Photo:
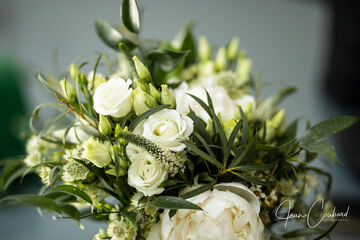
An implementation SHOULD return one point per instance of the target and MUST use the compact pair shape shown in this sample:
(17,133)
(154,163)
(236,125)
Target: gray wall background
(287,40)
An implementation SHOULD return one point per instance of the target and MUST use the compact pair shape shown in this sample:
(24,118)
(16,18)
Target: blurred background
(312,44)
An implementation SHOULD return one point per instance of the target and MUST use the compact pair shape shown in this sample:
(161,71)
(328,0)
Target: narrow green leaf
(130,15)
(73,191)
(200,127)
(327,128)
(34,201)
(245,129)
(145,115)
(169,202)
(251,179)
(249,149)
(204,143)
(323,149)
(204,155)
(108,191)
(51,123)
(197,191)
(253,167)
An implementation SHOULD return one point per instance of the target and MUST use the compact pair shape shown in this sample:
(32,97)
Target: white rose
(168,128)
(113,98)
(230,213)
(222,102)
(146,174)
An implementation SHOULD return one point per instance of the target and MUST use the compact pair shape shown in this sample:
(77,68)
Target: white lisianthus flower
(167,128)
(222,102)
(97,153)
(113,98)
(146,174)
(230,212)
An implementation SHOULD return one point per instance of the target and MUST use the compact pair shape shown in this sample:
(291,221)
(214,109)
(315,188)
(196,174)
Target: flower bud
(154,92)
(142,101)
(204,49)
(142,70)
(118,130)
(220,60)
(167,97)
(104,126)
(206,69)
(278,119)
(68,90)
(233,48)
(73,71)
(97,153)
(243,69)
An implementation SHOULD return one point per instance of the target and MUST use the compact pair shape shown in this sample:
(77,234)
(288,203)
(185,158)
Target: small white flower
(168,128)
(121,230)
(113,98)
(146,174)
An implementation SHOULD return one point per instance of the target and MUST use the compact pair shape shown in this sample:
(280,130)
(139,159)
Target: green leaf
(253,167)
(184,40)
(197,191)
(290,132)
(169,202)
(73,191)
(248,151)
(167,59)
(108,191)
(130,15)
(34,201)
(250,179)
(204,143)
(50,123)
(200,127)
(323,149)
(145,115)
(71,211)
(204,155)
(327,128)
(110,35)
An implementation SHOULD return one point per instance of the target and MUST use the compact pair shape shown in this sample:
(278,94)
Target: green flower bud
(97,153)
(167,97)
(220,60)
(142,70)
(233,48)
(118,130)
(278,119)
(204,49)
(206,69)
(142,101)
(73,71)
(104,126)
(68,90)
(154,92)
(243,69)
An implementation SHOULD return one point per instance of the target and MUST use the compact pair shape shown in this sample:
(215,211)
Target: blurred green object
(12,110)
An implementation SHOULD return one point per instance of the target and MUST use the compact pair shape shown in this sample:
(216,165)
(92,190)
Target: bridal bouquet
(174,144)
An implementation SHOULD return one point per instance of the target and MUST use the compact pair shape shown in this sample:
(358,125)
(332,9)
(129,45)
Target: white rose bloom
(230,213)
(167,128)
(146,174)
(113,98)
(222,102)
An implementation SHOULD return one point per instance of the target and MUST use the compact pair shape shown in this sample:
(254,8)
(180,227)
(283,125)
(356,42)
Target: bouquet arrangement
(173,144)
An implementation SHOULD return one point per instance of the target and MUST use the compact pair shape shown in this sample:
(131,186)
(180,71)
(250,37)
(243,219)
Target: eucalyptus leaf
(323,149)
(110,35)
(34,201)
(73,191)
(170,202)
(130,15)
(327,128)
(167,59)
